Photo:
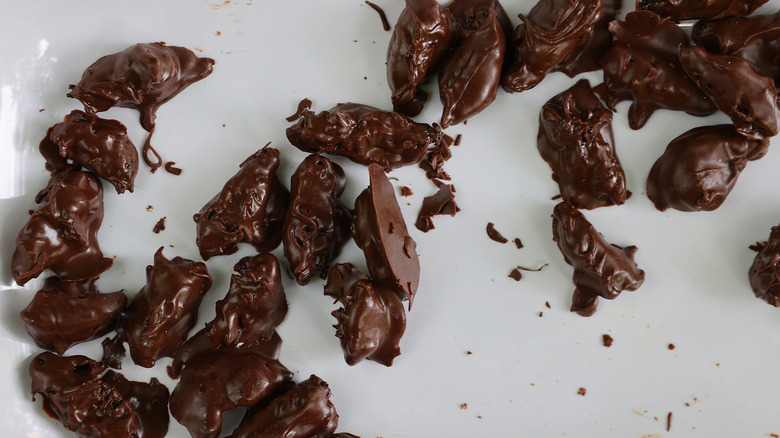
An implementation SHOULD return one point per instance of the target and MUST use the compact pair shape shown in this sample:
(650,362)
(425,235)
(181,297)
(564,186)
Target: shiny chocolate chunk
(441,202)
(150,401)
(317,224)
(588,58)
(575,139)
(62,233)
(709,9)
(763,274)
(249,208)
(700,167)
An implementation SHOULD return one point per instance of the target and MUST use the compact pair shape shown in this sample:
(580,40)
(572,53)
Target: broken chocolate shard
(442,202)
(494,235)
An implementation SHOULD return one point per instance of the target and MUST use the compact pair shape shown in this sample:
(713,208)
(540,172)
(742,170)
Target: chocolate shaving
(518,242)
(516,274)
(494,234)
(385,24)
(442,202)
(303,105)
(169,167)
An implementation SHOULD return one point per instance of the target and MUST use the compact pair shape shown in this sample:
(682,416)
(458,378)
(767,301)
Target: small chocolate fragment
(406,191)
(159,226)
(249,208)
(494,234)
(515,274)
(423,34)
(575,139)
(102,145)
(62,233)
(317,224)
(442,202)
(170,168)
(709,9)
(700,167)
(607,340)
(763,274)
(385,24)
(364,134)
(600,269)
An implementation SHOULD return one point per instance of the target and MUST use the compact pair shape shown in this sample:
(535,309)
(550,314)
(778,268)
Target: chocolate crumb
(582,391)
(518,243)
(169,167)
(406,191)
(607,340)
(42,110)
(440,203)
(774,435)
(458,138)
(669,421)
(547,304)
(160,225)
(468,352)
(149,208)
(385,24)
(541,314)
(671,346)
(303,105)
(516,275)
(478,416)
(217,33)
(494,234)
(464,405)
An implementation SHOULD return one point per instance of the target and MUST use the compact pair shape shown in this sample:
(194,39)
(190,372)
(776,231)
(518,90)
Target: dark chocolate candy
(700,167)
(710,9)
(599,40)
(643,66)
(380,231)
(763,274)
(302,410)
(254,305)
(736,88)
(600,269)
(423,34)
(364,134)
(165,309)
(149,400)
(65,313)
(575,139)
(372,320)
(249,208)
(102,145)
(317,224)
(62,233)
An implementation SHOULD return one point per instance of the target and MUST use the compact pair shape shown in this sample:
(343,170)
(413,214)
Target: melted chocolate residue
(442,202)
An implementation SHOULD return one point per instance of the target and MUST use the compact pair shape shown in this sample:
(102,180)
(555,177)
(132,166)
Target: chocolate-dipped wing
(254,305)
(642,66)
(763,273)
(575,139)
(601,269)
(317,224)
(700,167)
(62,233)
(709,9)
(423,34)
(249,208)
(736,88)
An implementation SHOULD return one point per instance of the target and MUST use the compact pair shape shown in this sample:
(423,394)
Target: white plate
(527,361)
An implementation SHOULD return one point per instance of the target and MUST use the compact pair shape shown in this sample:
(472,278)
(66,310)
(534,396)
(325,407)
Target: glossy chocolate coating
(552,34)
(575,139)
(62,233)
(372,320)
(736,88)
(424,33)
(150,401)
(763,274)
(249,208)
(163,312)
(642,66)
(710,9)
(317,224)
(302,410)
(601,269)
(254,305)
(700,167)
(599,40)
(220,380)
(102,145)
(65,313)
(380,231)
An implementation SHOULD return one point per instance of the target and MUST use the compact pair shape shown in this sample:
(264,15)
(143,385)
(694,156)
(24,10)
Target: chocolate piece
(700,167)
(65,313)
(600,269)
(170,168)
(249,208)
(642,66)
(736,88)
(423,35)
(159,226)
(303,105)
(372,320)
(62,233)
(552,34)
(317,224)
(599,40)
(101,145)
(163,312)
(385,24)
(149,400)
(515,274)
(442,202)
(710,9)
(254,305)
(575,139)
(302,410)
(380,231)
(518,243)
(113,352)
(763,274)
(364,134)
(494,234)
(606,340)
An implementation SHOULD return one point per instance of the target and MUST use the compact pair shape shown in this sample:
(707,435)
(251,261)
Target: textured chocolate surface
(149,400)
(598,41)
(763,273)
(710,9)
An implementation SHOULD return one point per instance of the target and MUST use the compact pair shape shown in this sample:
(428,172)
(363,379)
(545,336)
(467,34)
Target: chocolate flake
(607,340)
(169,167)
(494,234)
(385,24)
(160,225)
(516,274)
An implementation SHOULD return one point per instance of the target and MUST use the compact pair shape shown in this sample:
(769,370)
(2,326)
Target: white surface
(525,370)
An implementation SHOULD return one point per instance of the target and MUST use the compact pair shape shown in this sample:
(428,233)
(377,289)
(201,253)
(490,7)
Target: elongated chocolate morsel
(552,34)
(317,223)
(599,40)
(62,233)
(601,269)
(424,33)
(642,66)
(763,273)
(220,380)
(380,231)
(102,145)
(65,313)
(301,410)
(165,309)
(709,9)
(575,139)
(254,305)
(700,167)
(249,208)
(736,88)
(372,320)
